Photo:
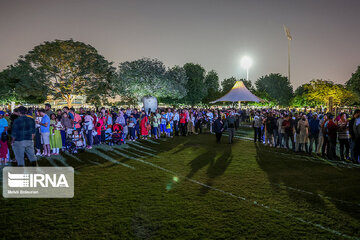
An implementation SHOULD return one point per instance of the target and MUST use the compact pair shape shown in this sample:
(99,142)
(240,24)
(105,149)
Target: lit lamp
(246,63)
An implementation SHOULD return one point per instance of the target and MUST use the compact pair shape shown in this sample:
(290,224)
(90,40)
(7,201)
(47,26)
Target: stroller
(114,135)
(117,134)
(75,141)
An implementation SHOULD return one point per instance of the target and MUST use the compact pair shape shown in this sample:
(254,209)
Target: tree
(227,84)
(300,97)
(319,91)
(67,69)
(21,85)
(196,90)
(149,77)
(354,82)
(212,86)
(248,84)
(178,80)
(277,87)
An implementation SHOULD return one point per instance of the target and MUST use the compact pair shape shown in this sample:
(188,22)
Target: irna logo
(34,180)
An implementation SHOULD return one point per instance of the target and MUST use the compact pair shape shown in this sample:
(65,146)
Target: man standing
(45,132)
(314,127)
(218,128)
(22,141)
(332,133)
(257,127)
(352,127)
(176,122)
(230,125)
(48,109)
(210,117)
(356,135)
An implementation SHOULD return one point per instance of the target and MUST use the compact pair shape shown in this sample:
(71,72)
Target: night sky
(215,34)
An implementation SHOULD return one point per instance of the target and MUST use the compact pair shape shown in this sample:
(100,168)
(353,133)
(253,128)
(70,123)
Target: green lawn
(193,188)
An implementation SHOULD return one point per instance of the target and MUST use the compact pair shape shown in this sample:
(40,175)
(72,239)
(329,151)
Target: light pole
(287,33)
(246,63)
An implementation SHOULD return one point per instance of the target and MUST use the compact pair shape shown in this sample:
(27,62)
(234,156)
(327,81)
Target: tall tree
(67,69)
(196,90)
(319,91)
(149,77)
(277,87)
(301,97)
(19,84)
(354,82)
(212,86)
(227,84)
(248,84)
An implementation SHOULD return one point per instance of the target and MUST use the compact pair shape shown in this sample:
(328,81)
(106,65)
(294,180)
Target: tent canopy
(239,93)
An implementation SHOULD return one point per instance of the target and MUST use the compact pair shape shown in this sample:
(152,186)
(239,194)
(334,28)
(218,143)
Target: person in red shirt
(182,122)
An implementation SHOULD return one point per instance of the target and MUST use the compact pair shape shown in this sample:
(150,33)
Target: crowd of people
(34,132)
(310,132)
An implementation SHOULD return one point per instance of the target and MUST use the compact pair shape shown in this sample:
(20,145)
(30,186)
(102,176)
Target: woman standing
(191,124)
(144,126)
(55,135)
(344,136)
(88,126)
(182,122)
(302,127)
(67,124)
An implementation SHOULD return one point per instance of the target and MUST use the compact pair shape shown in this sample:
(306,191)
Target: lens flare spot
(169,186)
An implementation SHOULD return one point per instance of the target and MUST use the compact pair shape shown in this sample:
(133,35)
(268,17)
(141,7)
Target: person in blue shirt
(314,130)
(137,122)
(163,121)
(3,123)
(45,131)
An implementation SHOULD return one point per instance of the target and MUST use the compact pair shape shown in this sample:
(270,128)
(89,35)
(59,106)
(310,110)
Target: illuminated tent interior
(239,93)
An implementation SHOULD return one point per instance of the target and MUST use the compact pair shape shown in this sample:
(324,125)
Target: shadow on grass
(312,182)
(216,165)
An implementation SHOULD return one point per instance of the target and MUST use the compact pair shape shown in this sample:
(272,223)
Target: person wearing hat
(3,123)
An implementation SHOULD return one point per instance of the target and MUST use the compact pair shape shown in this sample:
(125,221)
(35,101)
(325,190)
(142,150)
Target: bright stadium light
(246,63)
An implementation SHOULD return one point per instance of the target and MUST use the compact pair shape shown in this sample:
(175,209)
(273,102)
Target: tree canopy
(318,92)
(67,69)
(227,84)
(354,82)
(19,84)
(212,86)
(195,85)
(276,87)
(149,77)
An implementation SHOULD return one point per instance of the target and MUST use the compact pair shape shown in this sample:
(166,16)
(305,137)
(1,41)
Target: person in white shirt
(176,122)
(89,125)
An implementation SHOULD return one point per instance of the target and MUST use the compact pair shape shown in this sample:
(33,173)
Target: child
(131,127)
(155,125)
(77,139)
(168,129)
(163,123)
(4,150)
(125,130)
(55,137)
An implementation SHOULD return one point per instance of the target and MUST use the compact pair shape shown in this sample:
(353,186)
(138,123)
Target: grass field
(192,188)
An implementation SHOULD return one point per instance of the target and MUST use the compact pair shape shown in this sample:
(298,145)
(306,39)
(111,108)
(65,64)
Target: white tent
(239,93)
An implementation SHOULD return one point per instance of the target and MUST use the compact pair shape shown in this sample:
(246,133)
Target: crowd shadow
(312,182)
(216,166)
